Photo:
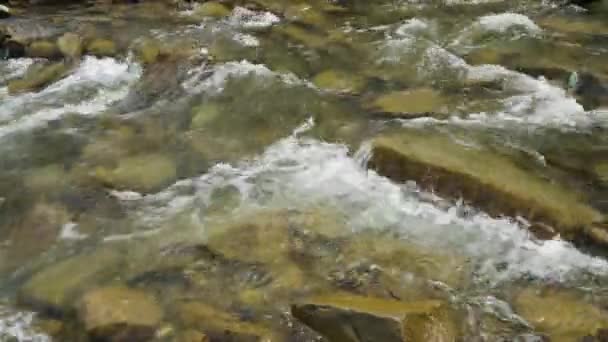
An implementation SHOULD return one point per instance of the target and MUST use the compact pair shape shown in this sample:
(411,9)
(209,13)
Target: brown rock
(119,314)
(345,318)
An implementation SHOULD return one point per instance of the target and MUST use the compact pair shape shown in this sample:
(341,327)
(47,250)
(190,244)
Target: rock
(561,314)
(569,25)
(37,77)
(410,103)
(346,318)
(70,45)
(303,36)
(600,171)
(192,336)
(212,9)
(46,179)
(5,12)
(148,51)
(53,289)
(219,325)
(339,81)
(11,49)
(101,48)
(141,173)
(492,181)
(119,314)
(204,114)
(42,49)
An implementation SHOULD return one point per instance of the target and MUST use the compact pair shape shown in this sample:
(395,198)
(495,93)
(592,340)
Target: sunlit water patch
(299,172)
(90,89)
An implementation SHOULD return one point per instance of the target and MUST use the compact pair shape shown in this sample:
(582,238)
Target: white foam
(503,22)
(89,89)
(299,172)
(248,19)
(69,231)
(13,68)
(412,26)
(213,81)
(18,325)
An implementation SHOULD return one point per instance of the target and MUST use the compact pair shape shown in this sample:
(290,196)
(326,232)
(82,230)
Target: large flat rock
(482,177)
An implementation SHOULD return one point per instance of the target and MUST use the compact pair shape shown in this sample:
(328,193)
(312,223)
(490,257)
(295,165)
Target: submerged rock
(561,314)
(410,103)
(54,288)
(601,172)
(339,81)
(37,77)
(485,178)
(119,314)
(142,173)
(346,318)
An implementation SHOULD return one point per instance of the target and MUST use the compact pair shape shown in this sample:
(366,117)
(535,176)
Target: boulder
(53,289)
(5,12)
(119,314)
(101,48)
(70,45)
(347,318)
(37,77)
(561,314)
(485,178)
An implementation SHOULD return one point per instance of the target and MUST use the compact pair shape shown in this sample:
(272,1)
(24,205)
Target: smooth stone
(119,313)
(338,81)
(37,77)
(141,173)
(212,9)
(5,12)
(350,318)
(410,103)
(102,48)
(70,45)
(42,49)
(53,289)
(493,182)
(561,314)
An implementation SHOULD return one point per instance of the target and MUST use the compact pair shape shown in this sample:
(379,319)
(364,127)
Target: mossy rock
(143,173)
(410,103)
(43,49)
(561,314)
(37,78)
(148,51)
(204,114)
(212,9)
(601,172)
(53,289)
(492,181)
(349,318)
(117,311)
(70,45)
(339,81)
(102,48)
(573,25)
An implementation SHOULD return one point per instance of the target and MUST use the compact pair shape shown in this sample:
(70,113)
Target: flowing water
(268,110)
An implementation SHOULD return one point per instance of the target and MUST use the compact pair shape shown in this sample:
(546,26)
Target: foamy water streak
(300,172)
(89,89)
(17,326)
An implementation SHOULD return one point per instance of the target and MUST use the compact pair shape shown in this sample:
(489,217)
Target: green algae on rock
(483,177)
(145,173)
(119,313)
(101,48)
(53,289)
(348,318)
(410,103)
(339,81)
(42,49)
(212,9)
(37,77)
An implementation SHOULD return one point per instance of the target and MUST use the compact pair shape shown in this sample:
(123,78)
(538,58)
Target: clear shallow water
(243,113)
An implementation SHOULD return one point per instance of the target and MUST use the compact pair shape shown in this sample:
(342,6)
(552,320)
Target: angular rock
(484,178)
(119,314)
(37,77)
(346,318)
(562,315)
(53,289)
